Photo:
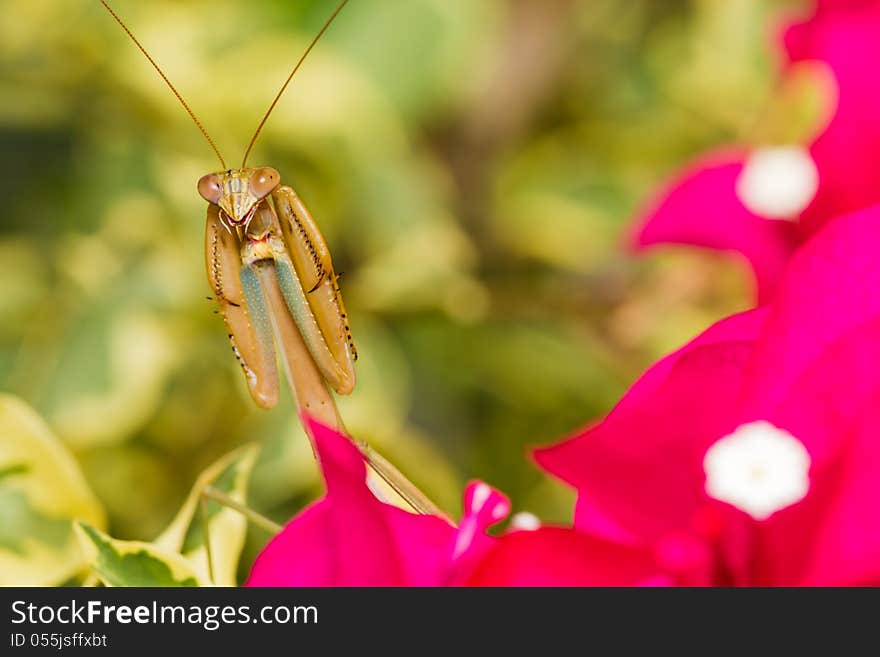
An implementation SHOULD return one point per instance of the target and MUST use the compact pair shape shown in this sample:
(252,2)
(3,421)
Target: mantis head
(238,192)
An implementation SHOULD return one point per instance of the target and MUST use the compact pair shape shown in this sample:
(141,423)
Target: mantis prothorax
(271,273)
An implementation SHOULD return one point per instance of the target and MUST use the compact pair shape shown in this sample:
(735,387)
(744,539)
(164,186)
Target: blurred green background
(474,165)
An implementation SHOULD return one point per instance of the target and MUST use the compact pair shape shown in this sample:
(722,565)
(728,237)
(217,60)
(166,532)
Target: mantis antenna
(287,81)
(167,81)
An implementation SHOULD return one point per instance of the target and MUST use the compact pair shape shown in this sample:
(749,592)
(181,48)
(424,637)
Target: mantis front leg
(305,265)
(247,324)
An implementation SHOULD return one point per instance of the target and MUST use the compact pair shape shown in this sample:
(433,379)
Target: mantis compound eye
(264,180)
(209,188)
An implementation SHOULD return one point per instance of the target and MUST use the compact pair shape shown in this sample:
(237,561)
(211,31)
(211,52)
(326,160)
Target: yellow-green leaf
(226,527)
(134,563)
(41,491)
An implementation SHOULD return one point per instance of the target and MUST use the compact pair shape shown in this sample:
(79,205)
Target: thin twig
(261,521)
(206,535)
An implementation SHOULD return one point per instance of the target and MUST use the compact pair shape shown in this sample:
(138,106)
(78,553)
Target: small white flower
(759,468)
(778,182)
(525,521)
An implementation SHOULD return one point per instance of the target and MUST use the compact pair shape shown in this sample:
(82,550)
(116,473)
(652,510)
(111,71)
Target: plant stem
(206,533)
(256,518)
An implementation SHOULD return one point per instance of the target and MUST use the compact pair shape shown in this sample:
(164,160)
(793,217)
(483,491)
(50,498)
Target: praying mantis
(272,276)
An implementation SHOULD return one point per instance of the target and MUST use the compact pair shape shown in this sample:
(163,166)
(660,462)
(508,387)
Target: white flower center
(525,521)
(759,468)
(778,182)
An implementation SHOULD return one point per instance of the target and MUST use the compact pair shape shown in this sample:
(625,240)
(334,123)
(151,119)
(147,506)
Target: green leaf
(41,491)
(112,374)
(226,527)
(133,563)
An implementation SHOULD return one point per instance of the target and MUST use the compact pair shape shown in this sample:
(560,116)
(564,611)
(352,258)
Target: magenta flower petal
(701,208)
(643,467)
(553,556)
(617,462)
(844,35)
(814,375)
(751,456)
(845,538)
(483,507)
(290,558)
(830,291)
(350,538)
(840,517)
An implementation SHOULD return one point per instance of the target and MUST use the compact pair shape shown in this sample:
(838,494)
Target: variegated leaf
(41,491)
(134,563)
(226,527)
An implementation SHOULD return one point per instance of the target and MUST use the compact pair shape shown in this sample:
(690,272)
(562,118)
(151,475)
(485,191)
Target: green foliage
(179,557)
(133,563)
(41,491)
(199,519)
